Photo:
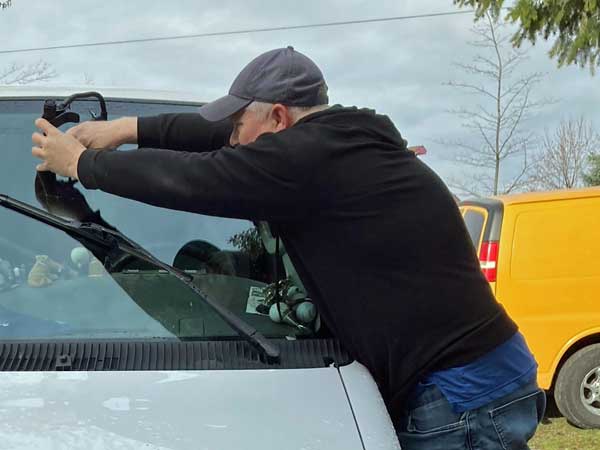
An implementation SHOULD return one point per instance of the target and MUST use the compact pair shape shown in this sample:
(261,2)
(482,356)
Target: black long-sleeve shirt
(374,234)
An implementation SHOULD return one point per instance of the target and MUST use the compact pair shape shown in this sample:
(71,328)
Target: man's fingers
(38,139)
(47,127)
(42,167)
(38,152)
(58,151)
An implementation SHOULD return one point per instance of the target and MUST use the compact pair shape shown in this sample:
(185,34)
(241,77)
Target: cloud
(395,67)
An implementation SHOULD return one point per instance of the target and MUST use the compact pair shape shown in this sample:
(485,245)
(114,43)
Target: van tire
(579,380)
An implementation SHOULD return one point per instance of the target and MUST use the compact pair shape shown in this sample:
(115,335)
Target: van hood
(177,410)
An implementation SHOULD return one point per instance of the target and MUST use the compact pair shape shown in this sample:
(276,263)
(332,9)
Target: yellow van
(541,254)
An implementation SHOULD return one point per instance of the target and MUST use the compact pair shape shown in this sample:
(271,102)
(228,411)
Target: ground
(555,433)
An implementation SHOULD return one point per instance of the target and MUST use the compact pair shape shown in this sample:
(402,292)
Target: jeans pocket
(516,421)
(435,417)
(433,426)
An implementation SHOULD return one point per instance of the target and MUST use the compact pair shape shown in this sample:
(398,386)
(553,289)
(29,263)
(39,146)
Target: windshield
(474,220)
(52,286)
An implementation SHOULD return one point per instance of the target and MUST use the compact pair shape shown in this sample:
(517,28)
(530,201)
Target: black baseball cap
(281,76)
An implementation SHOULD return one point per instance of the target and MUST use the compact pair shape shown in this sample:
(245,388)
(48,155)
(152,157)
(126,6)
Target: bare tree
(27,74)
(24,73)
(564,156)
(497,121)
(88,79)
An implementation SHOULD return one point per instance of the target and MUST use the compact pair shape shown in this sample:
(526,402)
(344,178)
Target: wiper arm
(114,240)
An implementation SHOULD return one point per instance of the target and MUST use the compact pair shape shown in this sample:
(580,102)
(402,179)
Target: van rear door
(483,219)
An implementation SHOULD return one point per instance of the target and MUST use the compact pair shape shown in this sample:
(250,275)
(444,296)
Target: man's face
(248,124)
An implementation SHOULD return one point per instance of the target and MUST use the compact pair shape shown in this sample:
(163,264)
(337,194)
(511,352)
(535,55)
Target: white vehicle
(103,347)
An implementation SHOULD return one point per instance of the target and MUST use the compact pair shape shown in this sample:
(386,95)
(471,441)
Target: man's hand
(58,151)
(103,134)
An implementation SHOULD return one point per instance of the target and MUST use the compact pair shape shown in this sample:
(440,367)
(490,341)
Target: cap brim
(223,107)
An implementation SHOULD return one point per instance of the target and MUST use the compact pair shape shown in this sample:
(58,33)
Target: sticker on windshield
(257,302)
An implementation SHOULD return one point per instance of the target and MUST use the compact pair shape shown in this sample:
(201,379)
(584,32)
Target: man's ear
(281,117)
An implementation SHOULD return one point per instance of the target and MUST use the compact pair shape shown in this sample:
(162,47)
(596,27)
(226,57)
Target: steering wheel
(196,255)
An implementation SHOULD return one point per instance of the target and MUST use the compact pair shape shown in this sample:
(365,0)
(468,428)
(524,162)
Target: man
(374,234)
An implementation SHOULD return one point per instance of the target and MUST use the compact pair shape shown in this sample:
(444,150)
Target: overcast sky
(397,68)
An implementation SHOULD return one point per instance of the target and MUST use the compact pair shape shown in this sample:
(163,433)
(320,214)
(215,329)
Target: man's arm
(106,134)
(186,131)
(266,180)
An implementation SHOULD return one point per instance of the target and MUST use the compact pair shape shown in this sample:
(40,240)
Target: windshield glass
(51,285)
(474,221)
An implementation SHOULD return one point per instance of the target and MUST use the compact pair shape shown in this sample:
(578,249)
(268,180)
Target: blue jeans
(429,423)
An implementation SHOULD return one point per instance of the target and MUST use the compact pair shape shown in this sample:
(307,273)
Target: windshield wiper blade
(111,240)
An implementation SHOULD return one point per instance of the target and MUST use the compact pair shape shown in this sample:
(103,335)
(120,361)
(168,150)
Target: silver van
(126,326)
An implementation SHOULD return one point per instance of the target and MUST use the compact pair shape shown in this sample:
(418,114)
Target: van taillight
(488,257)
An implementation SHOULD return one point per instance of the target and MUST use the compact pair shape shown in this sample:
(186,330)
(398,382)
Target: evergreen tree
(592,177)
(575,25)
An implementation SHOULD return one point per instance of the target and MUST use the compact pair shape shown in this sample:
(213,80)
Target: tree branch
(32,73)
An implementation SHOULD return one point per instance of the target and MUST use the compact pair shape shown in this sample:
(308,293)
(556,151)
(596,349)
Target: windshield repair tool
(59,114)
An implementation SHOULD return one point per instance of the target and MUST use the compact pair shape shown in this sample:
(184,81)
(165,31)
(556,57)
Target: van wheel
(577,389)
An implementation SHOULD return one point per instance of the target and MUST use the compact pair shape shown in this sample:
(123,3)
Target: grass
(558,434)
(555,433)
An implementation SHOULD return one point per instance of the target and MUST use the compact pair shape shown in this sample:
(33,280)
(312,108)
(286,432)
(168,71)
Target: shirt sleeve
(269,179)
(185,131)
